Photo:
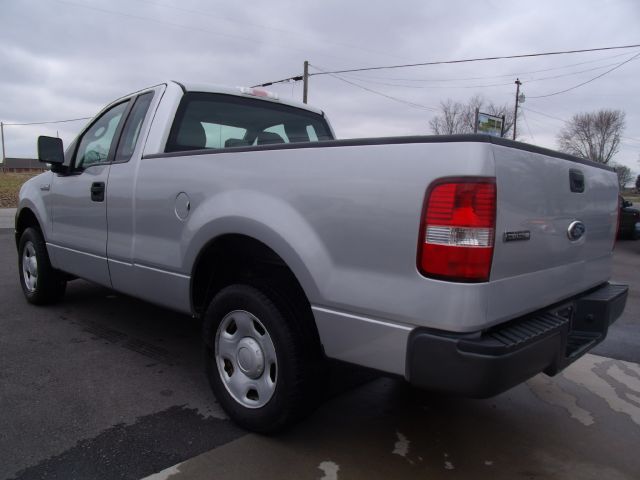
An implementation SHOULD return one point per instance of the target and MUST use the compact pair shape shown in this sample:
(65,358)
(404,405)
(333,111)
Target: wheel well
(237,258)
(25,220)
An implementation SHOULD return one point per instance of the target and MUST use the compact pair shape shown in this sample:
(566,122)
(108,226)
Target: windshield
(211,120)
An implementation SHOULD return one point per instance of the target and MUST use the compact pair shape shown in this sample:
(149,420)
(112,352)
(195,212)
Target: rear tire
(40,282)
(257,361)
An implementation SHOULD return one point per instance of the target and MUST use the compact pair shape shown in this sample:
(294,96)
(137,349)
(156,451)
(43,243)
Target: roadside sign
(489,124)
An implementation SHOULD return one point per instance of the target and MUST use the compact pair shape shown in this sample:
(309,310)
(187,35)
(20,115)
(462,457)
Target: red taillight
(458,230)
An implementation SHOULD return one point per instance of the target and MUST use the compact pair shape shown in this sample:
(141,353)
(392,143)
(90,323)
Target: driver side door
(78,239)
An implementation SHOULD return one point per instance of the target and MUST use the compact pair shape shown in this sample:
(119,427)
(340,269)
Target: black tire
(50,284)
(293,395)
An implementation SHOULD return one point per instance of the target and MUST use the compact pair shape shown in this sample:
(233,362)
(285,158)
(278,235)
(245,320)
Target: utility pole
(2,135)
(515,114)
(305,80)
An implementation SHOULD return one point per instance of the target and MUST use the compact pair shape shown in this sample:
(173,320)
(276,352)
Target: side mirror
(626,204)
(50,150)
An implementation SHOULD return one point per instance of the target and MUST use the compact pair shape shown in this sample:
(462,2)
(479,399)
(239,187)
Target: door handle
(97,191)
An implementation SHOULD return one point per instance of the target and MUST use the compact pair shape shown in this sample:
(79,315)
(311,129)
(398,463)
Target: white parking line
(164,474)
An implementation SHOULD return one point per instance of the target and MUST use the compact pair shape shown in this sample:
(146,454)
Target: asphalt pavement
(106,386)
(7,217)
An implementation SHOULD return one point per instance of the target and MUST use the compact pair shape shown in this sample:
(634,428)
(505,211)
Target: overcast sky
(66,59)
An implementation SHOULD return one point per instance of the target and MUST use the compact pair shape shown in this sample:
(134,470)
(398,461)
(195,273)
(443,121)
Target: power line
(588,81)
(570,74)
(399,100)
(321,71)
(360,79)
(296,34)
(45,123)
(485,77)
(297,78)
(154,20)
(289,46)
(396,99)
(544,114)
(528,127)
(553,77)
(480,59)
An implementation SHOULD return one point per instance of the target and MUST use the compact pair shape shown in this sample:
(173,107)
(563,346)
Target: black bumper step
(490,362)
(515,334)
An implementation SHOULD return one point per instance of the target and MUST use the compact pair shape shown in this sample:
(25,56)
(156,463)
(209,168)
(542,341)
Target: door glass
(96,142)
(131,129)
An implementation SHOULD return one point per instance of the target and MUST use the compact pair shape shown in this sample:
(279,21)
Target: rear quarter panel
(345,220)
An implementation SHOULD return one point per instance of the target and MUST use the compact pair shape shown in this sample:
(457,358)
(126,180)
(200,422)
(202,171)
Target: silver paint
(345,220)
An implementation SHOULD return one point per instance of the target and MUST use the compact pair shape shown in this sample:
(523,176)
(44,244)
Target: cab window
(131,130)
(211,120)
(97,140)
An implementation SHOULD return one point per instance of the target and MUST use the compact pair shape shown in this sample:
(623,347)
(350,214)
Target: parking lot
(105,386)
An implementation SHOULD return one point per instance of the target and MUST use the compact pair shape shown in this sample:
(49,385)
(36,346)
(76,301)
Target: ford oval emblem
(576,230)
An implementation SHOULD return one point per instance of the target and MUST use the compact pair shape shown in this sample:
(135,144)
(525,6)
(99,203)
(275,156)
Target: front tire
(40,282)
(257,361)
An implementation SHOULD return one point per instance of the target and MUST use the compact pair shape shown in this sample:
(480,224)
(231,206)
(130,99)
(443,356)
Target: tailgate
(535,262)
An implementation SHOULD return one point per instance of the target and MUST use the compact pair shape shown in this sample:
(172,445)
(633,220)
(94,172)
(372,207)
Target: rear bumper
(487,363)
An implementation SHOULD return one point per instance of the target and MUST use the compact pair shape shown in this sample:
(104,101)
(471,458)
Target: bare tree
(458,117)
(624,174)
(594,135)
(450,120)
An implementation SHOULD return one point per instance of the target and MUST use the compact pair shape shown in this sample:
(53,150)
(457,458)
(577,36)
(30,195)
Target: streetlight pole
(515,113)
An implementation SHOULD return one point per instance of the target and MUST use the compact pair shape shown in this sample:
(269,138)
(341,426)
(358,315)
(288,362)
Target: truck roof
(242,92)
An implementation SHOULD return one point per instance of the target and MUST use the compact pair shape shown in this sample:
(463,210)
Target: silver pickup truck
(464,264)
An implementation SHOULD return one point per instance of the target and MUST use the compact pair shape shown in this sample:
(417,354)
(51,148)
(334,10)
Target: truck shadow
(369,426)
(167,337)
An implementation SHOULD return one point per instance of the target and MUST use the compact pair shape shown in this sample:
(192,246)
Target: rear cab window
(212,120)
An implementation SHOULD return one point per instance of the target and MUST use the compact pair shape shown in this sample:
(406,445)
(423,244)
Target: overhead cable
(479,59)
(588,81)
(45,123)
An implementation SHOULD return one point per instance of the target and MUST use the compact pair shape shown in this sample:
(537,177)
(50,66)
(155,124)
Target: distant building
(22,165)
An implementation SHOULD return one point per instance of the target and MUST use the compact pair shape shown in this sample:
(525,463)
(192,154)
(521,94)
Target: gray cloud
(66,59)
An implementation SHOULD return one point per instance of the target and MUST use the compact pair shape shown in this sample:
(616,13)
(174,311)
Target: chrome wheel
(29,267)
(246,359)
